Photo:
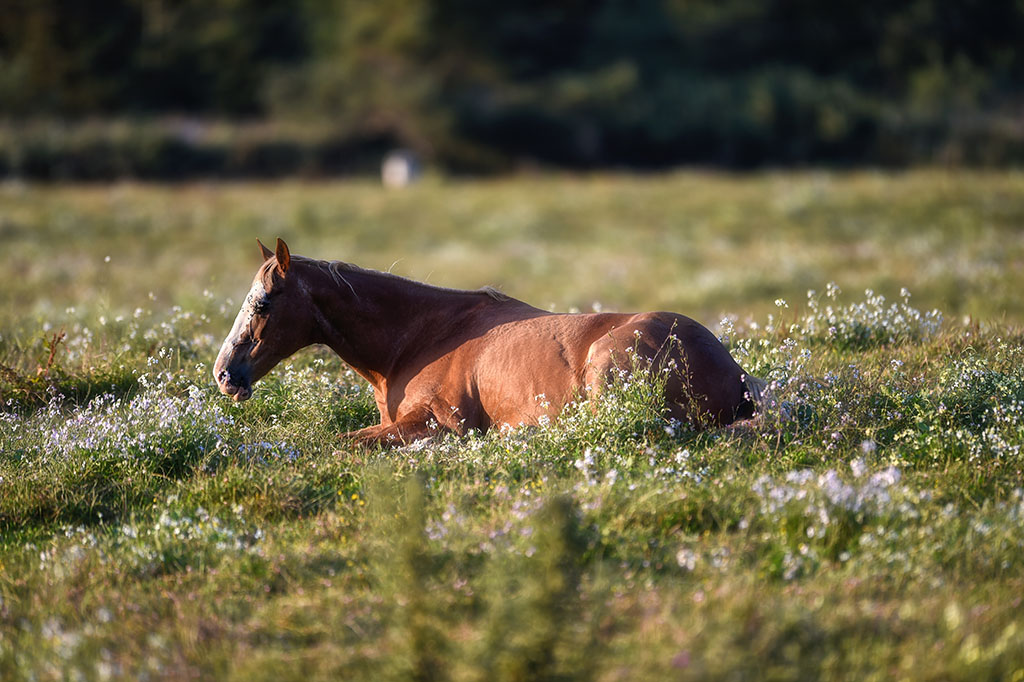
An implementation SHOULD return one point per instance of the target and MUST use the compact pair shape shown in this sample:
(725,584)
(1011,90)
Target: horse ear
(284,259)
(267,253)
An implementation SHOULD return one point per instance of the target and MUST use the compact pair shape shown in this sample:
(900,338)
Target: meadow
(868,526)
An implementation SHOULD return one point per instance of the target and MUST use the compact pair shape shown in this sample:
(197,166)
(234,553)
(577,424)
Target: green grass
(151,528)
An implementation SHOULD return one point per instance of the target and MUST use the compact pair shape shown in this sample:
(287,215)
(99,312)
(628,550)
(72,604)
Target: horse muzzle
(238,388)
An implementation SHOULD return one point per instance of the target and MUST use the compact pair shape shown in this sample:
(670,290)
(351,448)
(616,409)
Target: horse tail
(762,398)
(756,389)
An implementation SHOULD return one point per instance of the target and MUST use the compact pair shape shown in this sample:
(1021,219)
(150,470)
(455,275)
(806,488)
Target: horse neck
(373,320)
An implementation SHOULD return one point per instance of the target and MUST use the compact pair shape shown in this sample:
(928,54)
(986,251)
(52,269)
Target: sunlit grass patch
(866,525)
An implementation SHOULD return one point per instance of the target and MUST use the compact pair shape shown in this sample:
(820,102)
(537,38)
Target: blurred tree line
(486,85)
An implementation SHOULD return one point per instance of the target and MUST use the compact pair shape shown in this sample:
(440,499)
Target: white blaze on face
(245,314)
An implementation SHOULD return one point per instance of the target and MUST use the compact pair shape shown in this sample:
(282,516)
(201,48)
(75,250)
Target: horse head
(273,322)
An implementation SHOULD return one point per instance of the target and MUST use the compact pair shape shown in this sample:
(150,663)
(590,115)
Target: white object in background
(400,168)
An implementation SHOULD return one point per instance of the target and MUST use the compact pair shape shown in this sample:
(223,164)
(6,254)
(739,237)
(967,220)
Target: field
(869,526)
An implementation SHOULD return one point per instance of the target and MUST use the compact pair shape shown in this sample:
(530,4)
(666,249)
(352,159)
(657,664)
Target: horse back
(518,364)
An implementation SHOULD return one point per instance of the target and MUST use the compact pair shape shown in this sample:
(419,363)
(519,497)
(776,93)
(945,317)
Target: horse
(453,360)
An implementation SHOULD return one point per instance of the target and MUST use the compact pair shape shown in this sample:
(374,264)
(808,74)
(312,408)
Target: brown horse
(462,360)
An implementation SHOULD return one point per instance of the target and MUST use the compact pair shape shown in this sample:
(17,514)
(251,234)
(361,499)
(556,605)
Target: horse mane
(336,269)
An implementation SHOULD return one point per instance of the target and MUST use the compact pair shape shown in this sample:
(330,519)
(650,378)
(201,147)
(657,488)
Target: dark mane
(337,269)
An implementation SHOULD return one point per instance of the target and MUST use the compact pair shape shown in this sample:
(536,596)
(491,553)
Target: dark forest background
(155,88)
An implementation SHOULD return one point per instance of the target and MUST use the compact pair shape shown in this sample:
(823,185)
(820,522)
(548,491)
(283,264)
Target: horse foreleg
(399,433)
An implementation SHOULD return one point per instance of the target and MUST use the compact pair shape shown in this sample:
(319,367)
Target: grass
(151,528)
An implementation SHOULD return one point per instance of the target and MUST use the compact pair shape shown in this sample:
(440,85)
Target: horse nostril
(222,376)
